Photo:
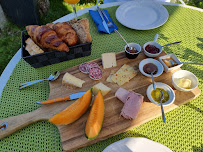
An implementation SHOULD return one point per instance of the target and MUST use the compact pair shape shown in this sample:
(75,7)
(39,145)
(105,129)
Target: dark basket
(53,57)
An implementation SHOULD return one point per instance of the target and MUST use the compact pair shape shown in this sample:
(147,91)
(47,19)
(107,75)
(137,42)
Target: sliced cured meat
(84,67)
(95,73)
(122,94)
(132,105)
(92,65)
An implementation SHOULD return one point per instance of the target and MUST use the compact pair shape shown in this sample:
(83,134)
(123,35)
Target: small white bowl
(132,55)
(165,87)
(156,45)
(184,74)
(156,62)
(172,56)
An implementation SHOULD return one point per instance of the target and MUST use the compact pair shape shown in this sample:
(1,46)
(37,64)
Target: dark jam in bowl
(150,67)
(152,49)
(131,54)
(131,51)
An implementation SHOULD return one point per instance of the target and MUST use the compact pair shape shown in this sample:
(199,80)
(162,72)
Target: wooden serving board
(72,135)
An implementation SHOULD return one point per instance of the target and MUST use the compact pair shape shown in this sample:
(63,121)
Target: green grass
(9,43)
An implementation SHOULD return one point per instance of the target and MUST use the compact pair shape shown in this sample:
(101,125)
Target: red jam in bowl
(152,49)
(131,51)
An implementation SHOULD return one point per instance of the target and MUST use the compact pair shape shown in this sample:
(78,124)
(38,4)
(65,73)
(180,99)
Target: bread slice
(29,49)
(71,22)
(81,27)
(32,48)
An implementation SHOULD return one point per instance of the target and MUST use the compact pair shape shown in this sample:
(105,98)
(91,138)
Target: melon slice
(74,111)
(95,118)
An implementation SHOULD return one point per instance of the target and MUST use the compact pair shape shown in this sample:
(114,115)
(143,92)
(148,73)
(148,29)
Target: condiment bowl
(151,54)
(155,62)
(187,75)
(132,55)
(170,57)
(165,87)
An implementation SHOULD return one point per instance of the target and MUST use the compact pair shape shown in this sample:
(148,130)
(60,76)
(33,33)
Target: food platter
(100,106)
(142,15)
(72,135)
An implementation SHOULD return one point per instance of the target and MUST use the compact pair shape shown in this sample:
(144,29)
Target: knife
(70,97)
(103,21)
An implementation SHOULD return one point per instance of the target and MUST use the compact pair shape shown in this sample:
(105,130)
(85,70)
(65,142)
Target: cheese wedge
(124,74)
(109,78)
(69,79)
(100,86)
(108,60)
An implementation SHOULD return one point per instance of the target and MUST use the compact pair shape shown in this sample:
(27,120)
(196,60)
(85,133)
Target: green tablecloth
(183,130)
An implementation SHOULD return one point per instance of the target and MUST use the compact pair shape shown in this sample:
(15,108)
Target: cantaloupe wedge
(74,111)
(95,118)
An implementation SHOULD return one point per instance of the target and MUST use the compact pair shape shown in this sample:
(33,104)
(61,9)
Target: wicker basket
(53,57)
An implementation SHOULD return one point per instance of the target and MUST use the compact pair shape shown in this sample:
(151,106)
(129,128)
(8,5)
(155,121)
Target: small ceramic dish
(170,57)
(154,43)
(132,55)
(187,75)
(155,62)
(165,87)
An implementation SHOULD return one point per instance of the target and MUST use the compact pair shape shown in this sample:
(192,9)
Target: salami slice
(92,65)
(95,73)
(84,67)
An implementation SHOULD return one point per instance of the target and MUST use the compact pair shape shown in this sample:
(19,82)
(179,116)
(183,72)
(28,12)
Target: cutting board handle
(18,122)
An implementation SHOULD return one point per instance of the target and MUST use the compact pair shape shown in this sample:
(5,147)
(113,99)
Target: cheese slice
(109,78)
(69,79)
(111,74)
(100,86)
(124,74)
(108,60)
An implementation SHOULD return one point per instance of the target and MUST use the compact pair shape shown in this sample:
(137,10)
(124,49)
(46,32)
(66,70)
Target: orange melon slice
(95,118)
(74,111)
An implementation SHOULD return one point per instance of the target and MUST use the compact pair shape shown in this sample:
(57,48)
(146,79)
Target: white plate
(136,144)
(156,62)
(165,87)
(142,15)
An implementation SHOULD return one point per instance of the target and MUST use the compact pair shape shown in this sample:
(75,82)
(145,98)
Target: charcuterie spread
(118,75)
(98,99)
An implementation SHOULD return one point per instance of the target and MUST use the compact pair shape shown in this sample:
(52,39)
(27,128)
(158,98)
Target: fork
(109,24)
